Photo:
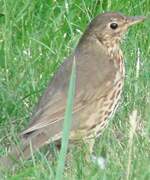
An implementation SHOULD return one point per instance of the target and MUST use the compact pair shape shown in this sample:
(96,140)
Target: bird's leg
(90,157)
(90,144)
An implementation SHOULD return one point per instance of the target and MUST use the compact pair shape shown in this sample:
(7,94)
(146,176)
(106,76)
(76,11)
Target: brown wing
(94,70)
(52,104)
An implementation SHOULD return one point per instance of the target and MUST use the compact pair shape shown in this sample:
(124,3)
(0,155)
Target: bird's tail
(23,152)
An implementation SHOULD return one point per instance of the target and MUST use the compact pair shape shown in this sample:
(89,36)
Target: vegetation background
(35,36)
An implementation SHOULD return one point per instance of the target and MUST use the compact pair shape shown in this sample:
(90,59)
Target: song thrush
(100,76)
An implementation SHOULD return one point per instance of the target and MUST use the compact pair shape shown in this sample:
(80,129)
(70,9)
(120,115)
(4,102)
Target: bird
(100,73)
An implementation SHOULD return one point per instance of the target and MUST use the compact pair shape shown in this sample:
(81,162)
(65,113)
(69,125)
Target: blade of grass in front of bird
(67,124)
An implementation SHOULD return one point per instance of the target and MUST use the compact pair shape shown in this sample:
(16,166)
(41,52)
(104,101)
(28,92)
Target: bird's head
(109,27)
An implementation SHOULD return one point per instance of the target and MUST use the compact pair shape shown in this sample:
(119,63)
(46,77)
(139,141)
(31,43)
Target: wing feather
(51,107)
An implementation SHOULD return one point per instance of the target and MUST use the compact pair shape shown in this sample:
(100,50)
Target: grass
(35,37)
(67,125)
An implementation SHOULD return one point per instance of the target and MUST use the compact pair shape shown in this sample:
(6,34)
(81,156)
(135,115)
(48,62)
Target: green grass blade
(67,125)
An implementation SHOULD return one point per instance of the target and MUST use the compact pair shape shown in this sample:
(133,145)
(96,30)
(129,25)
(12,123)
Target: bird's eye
(113,25)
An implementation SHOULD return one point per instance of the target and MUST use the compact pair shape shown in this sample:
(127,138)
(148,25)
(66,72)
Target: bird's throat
(116,56)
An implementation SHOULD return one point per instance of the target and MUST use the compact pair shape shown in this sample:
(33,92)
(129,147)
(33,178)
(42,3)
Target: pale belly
(96,116)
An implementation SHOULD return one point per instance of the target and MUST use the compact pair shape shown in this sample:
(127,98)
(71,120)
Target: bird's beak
(135,19)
